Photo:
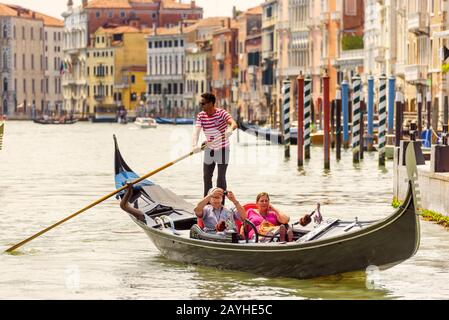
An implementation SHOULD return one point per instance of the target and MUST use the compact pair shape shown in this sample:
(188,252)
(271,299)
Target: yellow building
(116,64)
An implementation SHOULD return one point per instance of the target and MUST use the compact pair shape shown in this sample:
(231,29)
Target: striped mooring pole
(382,118)
(338,123)
(370,133)
(345,107)
(391,101)
(286,117)
(307,115)
(300,113)
(326,119)
(356,85)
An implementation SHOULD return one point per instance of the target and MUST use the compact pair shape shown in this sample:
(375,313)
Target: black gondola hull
(383,245)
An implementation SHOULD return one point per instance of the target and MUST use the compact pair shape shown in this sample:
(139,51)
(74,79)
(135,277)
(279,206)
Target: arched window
(5,31)
(5,84)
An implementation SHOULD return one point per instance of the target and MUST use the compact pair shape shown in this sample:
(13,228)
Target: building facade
(165,70)
(224,66)
(198,67)
(270,58)
(116,65)
(25,71)
(251,98)
(74,81)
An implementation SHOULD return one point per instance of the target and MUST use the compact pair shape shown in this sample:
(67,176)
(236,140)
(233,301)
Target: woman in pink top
(267,213)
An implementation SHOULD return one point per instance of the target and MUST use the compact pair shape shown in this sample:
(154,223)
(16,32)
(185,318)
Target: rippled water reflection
(49,172)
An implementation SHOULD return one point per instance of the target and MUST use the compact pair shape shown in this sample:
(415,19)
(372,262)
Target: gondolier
(218,126)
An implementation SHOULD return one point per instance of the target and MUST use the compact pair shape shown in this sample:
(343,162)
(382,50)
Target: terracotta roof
(120,29)
(255,10)
(7,11)
(171,4)
(207,22)
(112,4)
(167,31)
(136,68)
(50,21)
(12,10)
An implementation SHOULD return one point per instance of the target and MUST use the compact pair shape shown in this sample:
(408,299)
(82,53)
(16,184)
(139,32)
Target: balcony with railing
(415,73)
(99,97)
(418,22)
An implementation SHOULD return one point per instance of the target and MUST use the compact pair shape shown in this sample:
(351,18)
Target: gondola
(275,136)
(42,121)
(335,246)
(160,120)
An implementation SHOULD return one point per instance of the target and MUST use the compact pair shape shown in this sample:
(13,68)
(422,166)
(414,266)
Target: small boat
(333,247)
(174,120)
(145,123)
(50,121)
(275,136)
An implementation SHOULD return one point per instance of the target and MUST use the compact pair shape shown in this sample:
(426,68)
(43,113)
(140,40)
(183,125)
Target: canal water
(49,172)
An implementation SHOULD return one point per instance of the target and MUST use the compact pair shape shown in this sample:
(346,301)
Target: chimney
(85,3)
(234,12)
(70,4)
(192,4)
(154,29)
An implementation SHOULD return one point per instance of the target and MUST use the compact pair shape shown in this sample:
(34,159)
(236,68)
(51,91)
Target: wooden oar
(203,146)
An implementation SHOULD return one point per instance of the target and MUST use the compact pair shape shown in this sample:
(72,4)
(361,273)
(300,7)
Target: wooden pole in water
(362,127)
(446,111)
(356,83)
(326,119)
(300,81)
(398,133)
(370,129)
(419,99)
(338,123)
(429,108)
(345,107)
(391,101)
(382,118)
(286,117)
(307,116)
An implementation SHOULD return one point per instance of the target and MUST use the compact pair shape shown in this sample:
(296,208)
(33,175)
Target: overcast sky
(211,7)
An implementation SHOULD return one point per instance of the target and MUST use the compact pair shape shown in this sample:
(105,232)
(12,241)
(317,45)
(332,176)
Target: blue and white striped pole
(356,86)
(345,107)
(286,116)
(382,118)
(370,135)
(391,102)
(307,116)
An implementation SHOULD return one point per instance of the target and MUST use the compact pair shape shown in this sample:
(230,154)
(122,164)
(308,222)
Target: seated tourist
(216,217)
(268,220)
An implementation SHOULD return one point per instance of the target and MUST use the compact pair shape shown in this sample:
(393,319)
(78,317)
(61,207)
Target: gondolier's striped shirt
(214,127)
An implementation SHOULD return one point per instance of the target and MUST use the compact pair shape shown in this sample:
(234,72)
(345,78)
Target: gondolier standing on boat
(218,126)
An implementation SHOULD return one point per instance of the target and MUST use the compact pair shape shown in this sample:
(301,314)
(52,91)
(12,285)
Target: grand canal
(49,172)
